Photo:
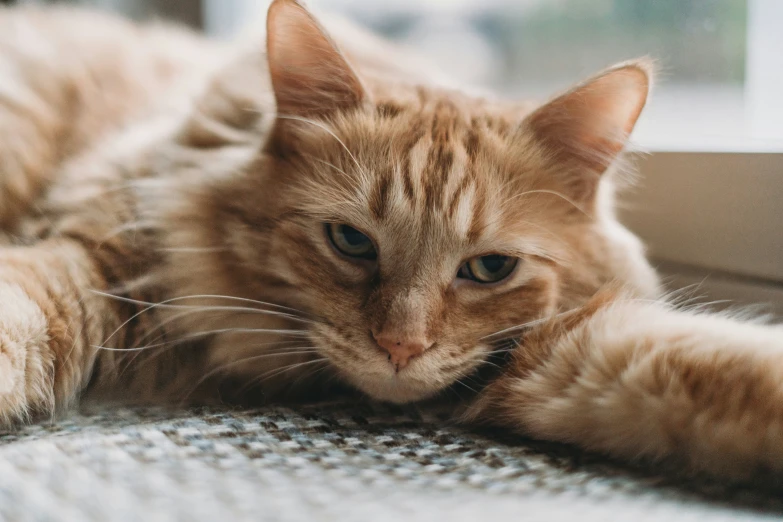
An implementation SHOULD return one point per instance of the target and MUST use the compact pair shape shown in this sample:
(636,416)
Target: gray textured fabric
(330,461)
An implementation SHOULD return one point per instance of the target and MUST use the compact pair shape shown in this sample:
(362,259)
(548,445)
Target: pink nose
(401,350)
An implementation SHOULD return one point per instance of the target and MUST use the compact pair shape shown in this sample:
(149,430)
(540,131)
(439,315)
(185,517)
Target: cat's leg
(50,321)
(641,380)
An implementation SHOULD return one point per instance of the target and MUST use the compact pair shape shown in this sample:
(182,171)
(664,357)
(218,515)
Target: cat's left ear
(586,128)
(309,74)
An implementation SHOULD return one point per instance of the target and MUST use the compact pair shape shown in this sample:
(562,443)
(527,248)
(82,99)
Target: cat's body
(169,230)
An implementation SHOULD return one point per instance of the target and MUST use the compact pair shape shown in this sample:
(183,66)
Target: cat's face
(415,246)
(414,224)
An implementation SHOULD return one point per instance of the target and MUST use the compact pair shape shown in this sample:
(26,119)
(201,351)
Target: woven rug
(332,461)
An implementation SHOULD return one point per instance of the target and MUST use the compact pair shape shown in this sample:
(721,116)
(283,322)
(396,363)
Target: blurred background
(721,60)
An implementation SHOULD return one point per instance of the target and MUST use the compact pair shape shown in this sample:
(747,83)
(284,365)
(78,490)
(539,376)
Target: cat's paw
(26,361)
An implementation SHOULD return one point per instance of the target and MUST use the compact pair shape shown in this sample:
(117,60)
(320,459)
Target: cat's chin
(396,389)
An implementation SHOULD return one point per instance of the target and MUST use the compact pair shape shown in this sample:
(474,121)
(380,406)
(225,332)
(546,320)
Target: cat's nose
(401,350)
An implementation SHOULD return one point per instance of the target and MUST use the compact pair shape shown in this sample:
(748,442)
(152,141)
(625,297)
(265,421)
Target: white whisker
(459,381)
(193,250)
(299,350)
(167,304)
(330,165)
(279,371)
(514,329)
(292,351)
(535,322)
(551,192)
(193,310)
(198,335)
(327,130)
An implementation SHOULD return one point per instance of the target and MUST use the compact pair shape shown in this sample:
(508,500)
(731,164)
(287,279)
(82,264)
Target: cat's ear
(309,74)
(586,128)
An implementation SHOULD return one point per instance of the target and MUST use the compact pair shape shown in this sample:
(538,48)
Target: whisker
(523,326)
(499,351)
(700,307)
(245,360)
(192,250)
(551,192)
(459,381)
(332,166)
(516,328)
(327,130)
(309,375)
(489,363)
(684,304)
(192,310)
(270,374)
(205,333)
(504,346)
(278,371)
(282,345)
(166,304)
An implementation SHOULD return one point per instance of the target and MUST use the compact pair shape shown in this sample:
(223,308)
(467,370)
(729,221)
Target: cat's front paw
(27,369)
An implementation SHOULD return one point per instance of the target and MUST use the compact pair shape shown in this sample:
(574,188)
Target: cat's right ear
(310,76)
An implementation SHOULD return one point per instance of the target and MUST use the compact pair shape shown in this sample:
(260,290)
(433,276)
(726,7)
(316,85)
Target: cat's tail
(643,380)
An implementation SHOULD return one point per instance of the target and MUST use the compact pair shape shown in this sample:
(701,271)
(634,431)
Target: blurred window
(720,61)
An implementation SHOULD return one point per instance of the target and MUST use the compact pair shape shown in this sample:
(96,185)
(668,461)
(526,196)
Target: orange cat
(183,217)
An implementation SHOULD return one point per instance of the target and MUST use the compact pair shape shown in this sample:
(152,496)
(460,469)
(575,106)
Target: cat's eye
(350,242)
(488,269)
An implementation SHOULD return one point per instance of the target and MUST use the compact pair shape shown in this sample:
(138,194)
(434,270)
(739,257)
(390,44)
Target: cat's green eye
(350,242)
(488,269)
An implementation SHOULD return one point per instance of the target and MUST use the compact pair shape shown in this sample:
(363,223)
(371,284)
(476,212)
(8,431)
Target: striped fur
(164,236)
(175,181)
(161,173)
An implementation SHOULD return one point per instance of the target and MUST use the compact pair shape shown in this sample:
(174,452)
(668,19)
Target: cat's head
(415,223)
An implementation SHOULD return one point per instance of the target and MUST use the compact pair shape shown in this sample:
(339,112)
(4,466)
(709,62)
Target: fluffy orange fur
(167,203)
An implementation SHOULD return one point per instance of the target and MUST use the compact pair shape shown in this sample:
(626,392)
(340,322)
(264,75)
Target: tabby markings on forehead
(432,179)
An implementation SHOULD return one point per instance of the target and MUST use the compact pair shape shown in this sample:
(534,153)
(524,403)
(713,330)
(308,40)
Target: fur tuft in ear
(586,128)
(310,76)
